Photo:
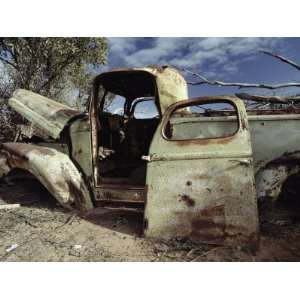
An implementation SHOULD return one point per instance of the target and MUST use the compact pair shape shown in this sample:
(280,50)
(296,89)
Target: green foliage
(49,65)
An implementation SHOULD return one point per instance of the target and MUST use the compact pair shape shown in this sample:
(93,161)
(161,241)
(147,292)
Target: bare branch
(270,99)
(8,62)
(240,85)
(282,58)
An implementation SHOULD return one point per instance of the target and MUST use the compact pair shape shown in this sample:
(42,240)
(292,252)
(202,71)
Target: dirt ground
(40,230)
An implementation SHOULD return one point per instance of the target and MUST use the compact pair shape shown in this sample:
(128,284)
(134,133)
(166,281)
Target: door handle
(146,157)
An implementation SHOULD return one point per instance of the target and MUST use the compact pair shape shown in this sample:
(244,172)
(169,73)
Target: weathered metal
(271,177)
(200,187)
(127,194)
(169,84)
(80,145)
(52,168)
(48,115)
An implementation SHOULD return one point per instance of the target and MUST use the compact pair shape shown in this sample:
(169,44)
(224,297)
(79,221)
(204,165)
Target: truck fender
(52,168)
(270,178)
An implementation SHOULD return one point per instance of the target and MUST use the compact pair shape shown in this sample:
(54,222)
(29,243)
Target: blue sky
(227,59)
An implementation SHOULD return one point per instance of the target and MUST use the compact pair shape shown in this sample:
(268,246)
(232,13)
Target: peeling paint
(200,188)
(53,169)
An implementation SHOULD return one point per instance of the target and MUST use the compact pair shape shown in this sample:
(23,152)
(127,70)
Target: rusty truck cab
(187,163)
(121,132)
(173,163)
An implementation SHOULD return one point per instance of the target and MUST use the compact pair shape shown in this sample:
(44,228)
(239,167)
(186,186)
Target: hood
(48,115)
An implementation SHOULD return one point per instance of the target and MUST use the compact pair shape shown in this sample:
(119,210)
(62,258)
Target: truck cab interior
(127,115)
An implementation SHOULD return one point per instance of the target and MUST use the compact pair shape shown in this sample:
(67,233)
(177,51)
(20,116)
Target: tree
(59,68)
(265,99)
(48,65)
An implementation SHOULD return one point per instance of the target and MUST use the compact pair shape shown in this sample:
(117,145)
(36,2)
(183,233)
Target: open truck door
(120,138)
(200,174)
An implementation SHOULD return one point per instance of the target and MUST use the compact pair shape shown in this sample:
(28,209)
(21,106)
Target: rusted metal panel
(170,84)
(198,188)
(52,168)
(81,148)
(120,194)
(270,178)
(202,189)
(272,137)
(48,115)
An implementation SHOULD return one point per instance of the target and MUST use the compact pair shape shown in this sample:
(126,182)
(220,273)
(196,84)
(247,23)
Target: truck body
(195,167)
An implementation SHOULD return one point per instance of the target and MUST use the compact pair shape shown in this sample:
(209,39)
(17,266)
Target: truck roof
(170,86)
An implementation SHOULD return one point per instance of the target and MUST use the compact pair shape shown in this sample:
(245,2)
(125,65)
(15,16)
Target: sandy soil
(42,231)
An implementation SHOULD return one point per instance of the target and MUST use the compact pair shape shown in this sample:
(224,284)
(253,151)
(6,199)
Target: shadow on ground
(43,231)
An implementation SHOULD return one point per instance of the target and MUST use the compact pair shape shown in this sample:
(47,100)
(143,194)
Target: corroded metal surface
(271,177)
(171,86)
(272,137)
(121,194)
(52,168)
(48,115)
(80,145)
(202,189)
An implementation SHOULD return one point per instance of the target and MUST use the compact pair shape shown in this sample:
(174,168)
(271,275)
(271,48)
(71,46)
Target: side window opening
(145,108)
(202,121)
(114,104)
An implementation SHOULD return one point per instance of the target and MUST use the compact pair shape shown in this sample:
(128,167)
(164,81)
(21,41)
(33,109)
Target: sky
(227,59)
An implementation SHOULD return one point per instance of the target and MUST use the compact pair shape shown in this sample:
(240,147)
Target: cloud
(214,56)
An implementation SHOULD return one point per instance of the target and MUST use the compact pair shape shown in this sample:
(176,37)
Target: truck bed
(273,132)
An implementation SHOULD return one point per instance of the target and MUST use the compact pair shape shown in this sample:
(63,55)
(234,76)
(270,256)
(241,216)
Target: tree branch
(9,63)
(269,99)
(240,85)
(64,64)
(282,58)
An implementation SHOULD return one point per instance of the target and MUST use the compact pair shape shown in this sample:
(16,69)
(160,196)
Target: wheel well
(290,191)
(270,179)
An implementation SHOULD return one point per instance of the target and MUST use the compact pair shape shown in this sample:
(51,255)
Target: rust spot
(203,224)
(76,193)
(208,229)
(200,177)
(213,211)
(107,195)
(209,225)
(187,200)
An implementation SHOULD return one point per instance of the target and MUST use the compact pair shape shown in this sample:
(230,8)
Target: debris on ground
(39,230)
(9,206)
(11,248)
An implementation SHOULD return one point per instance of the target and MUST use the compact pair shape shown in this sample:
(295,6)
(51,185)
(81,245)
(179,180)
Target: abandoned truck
(195,167)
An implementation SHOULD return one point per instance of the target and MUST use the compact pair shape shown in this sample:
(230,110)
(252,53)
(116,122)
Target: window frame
(141,100)
(198,101)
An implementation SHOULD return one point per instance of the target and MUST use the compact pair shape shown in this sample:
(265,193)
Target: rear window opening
(202,121)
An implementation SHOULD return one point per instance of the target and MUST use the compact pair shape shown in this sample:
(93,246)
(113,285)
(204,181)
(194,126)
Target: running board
(117,193)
